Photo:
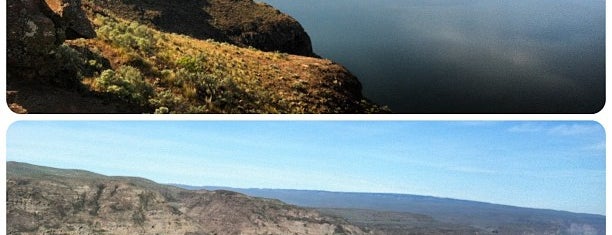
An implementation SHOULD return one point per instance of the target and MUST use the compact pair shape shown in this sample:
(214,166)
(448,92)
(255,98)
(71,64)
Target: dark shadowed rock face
(40,73)
(35,29)
(30,33)
(261,26)
(71,18)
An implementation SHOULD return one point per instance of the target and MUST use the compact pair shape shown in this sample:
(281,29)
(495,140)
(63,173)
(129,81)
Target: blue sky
(554,165)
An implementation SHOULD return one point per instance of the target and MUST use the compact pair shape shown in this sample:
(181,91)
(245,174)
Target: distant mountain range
(440,214)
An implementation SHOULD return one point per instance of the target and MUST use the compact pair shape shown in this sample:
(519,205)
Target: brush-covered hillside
(179,56)
(43,200)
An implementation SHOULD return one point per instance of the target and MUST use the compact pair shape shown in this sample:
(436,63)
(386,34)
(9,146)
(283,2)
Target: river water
(465,56)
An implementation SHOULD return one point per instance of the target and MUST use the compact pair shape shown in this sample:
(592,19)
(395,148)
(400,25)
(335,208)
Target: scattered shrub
(166,102)
(138,217)
(68,66)
(187,76)
(162,110)
(126,83)
(130,36)
(70,58)
(193,64)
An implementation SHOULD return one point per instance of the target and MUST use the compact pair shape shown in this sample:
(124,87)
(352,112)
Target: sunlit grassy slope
(172,73)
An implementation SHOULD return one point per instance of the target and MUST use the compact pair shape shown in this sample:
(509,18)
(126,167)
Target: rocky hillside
(239,22)
(42,200)
(183,56)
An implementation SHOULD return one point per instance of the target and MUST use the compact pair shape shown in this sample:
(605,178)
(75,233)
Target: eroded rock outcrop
(42,200)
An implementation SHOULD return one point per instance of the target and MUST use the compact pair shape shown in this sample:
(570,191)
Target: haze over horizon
(549,165)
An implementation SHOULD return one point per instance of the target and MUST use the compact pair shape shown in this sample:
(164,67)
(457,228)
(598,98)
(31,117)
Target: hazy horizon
(549,165)
(180,185)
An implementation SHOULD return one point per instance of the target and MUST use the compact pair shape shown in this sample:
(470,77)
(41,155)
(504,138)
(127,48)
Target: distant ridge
(489,216)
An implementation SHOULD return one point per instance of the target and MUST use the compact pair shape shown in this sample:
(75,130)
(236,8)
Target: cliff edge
(240,22)
(184,56)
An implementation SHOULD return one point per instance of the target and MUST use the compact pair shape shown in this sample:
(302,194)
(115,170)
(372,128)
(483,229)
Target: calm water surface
(465,56)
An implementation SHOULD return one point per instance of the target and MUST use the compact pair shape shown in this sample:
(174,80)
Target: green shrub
(70,58)
(162,110)
(132,36)
(166,102)
(68,66)
(193,64)
(126,83)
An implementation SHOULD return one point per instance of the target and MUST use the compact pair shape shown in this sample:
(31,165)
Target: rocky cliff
(239,22)
(42,200)
(184,56)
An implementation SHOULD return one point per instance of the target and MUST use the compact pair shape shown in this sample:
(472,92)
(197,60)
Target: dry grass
(189,75)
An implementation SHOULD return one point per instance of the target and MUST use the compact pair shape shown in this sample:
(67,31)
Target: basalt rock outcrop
(39,73)
(35,29)
(264,28)
(240,22)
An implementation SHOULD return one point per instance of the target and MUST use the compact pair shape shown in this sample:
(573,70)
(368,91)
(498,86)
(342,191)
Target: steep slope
(43,200)
(239,22)
(137,63)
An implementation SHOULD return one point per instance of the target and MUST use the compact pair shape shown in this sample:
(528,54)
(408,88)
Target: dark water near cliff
(465,56)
